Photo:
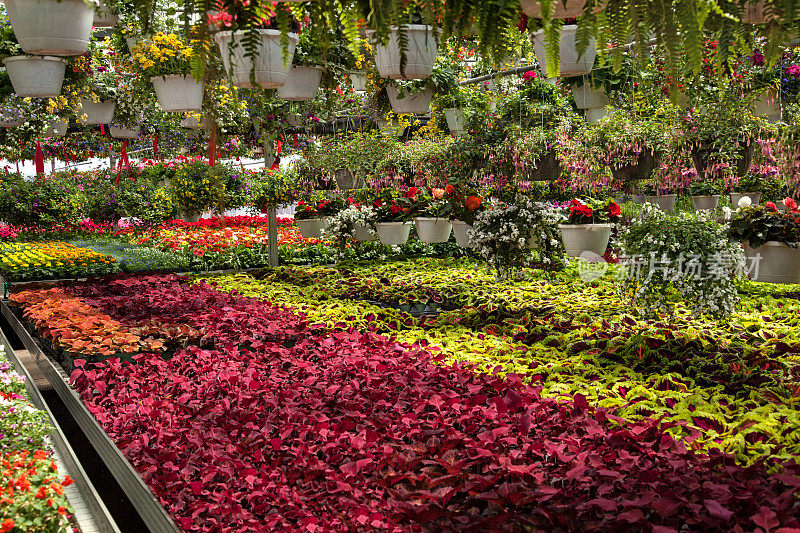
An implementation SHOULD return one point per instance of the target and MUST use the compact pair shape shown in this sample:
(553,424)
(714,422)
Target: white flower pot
(103,18)
(191,122)
(579,239)
(51,27)
(36,76)
(362,233)
(55,128)
(638,198)
(132,41)
(588,98)
(456,120)
(433,230)
(768,105)
(665,202)
(420,53)
(97,112)
(190,217)
(11,123)
(178,93)
(301,85)
(570,64)
(593,116)
(779,263)
(572,9)
(415,103)
(755,198)
(393,233)
(390,128)
(705,203)
(461,230)
(118,132)
(359,82)
(311,228)
(271,67)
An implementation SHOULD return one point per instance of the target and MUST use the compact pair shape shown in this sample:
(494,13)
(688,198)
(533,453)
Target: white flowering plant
(506,236)
(680,258)
(342,226)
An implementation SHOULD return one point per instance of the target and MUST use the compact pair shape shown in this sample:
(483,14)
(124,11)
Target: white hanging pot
(271,67)
(456,120)
(132,41)
(593,116)
(51,27)
(103,17)
(97,112)
(178,93)
(363,233)
(705,202)
(421,51)
(415,103)
(665,202)
(559,9)
(433,230)
(778,263)
(38,76)
(768,105)
(119,132)
(301,85)
(390,128)
(569,62)
(461,230)
(755,198)
(588,98)
(294,119)
(579,239)
(11,123)
(311,228)
(393,233)
(359,82)
(56,128)
(191,122)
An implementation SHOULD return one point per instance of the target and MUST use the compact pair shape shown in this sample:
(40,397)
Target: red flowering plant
(591,211)
(434,204)
(394,206)
(306,211)
(465,201)
(758,224)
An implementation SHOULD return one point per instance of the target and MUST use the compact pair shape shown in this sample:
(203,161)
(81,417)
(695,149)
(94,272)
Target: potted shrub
(165,59)
(393,225)
(704,194)
(588,227)
(465,204)
(433,217)
(99,104)
(354,223)
(747,186)
(771,239)
(302,82)
(268,65)
(51,27)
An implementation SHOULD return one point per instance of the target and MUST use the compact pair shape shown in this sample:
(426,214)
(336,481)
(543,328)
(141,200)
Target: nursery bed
(146,504)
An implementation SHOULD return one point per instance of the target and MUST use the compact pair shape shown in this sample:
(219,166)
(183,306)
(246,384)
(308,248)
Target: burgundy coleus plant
(352,432)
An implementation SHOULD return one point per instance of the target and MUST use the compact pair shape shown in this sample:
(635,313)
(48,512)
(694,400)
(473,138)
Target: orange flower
(67,481)
(472,202)
(7,525)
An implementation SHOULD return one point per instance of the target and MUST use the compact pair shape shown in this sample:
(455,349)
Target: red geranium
(449,189)
(614,210)
(412,193)
(772,207)
(585,210)
(790,203)
(473,202)
(394,209)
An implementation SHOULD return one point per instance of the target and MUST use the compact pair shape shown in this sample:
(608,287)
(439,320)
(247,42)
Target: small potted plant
(34,76)
(704,194)
(355,222)
(748,186)
(393,225)
(771,240)
(128,110)
(308,220)
(302,82)
(98,87)
(165,59)
(588,227)
(433,217)
(465,204)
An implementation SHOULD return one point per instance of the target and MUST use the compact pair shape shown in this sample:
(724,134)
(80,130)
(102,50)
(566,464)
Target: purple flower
(793,70)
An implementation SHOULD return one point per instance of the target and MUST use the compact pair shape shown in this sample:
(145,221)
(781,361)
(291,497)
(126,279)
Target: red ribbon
(155,146)
(38,158)
(212,147)
(124,155)
(278,147)
(102,129)
(294,140)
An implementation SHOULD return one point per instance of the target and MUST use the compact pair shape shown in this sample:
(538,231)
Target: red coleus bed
(357,432)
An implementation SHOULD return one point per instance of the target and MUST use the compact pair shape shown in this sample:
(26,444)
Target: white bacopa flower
(744,201)
(726,211)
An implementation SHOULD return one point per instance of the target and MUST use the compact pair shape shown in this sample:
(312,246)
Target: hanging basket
(38,76)
(358,81)
(588,98)
(456,120)
(103,17)
(416,103)
(665,202)
(178,93)
(461,230)
(705,202)
(119,132)
(191,122)
(433,230)
(56,128)
(558,9)
(393,233)
(301,85)
(548,167)
(421,51)
(271,67)
(741,164)
(580,239)
(593,116)
(97,112)
(51,27)
(11,123)
(768,105)
(779,263)
(646,163)
(570,64)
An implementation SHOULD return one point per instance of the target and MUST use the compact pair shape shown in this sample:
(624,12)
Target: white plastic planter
(390,128)
(768,105)
(705,203)
(97,112)
(456,120)
(301,85)
(461,230)
(579,239)
(271,67)
(311,228)
(569,64)
(56,128)
(593,116)
(420,53)
(415,103)
(103,18)
(191,122)
(588,98)
(38,76)
(559,10)
(362,233)
(132,41)
(755,198)
(433,230)
(779,263)
(665,202)
(393,233)
(178,93)
(118,132)
(190,217)
(345,180)
(359,82)
(51,27)
(10,123)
